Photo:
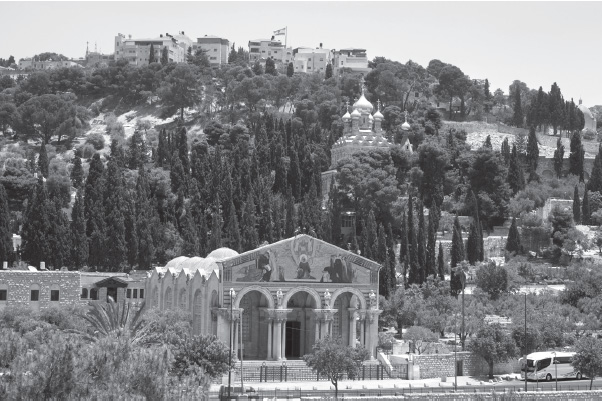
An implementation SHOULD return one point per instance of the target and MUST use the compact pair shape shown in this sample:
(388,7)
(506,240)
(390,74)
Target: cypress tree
(59,238)
(391,259)
(413,266)
(595,177)
(518,108)
(232,230)
(532,154)
(487,143)
(79,250)
(581,164)
(431,256)
(457,256)
(291,219)
(384,281)
(472,252)
(131,232)
(190,239)
(164,56)
(117,154)
(576,206)
(145,214)
(440,263)
(37,226)
(371,237)
(137,155)
(6,238)
(585,211)
(290,70)
(505,151)
(421,244)
(250,239)
(43,161)
(182,143)
(328,71)
(93,190)
(575,157)
(115,221)
(151,55)
(516,178)
(558,158)
(403,248)
(77,173)
(513,241)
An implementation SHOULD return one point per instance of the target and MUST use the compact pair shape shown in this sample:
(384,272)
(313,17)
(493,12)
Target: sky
(538,43)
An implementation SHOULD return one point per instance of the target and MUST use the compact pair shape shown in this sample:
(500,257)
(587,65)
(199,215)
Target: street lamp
(232,294)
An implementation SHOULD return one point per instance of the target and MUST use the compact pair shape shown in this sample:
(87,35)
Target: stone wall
(439,365)
(20,283)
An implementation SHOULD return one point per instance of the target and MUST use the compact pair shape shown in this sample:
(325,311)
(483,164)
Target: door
(293,340)
(112,292)
(460,368)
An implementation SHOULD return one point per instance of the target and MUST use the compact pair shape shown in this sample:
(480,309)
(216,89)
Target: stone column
(235,339)
(283,341)
(277,340)
(270,327)
(317,328)
(302,336)
(372,331)
(352,327)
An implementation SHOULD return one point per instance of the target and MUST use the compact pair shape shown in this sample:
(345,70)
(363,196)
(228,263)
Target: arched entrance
(300,323)
(254,324)
(345,323)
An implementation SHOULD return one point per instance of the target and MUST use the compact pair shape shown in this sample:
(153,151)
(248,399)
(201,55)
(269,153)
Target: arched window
(34,293)
(167,298)
(55,293)
(84,293)
(182,302)
(94,294)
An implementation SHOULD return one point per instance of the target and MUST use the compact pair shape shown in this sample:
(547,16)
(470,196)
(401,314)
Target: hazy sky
(536,42)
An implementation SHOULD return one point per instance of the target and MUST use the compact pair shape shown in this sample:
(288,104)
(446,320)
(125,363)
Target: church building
(278,299)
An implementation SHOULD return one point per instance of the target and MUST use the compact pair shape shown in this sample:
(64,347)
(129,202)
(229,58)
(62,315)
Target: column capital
(372,314)
(225,313)
(278,315)
(352,312)
(325,314)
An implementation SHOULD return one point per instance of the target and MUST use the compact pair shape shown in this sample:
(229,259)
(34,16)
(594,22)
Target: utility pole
(232,293)
(525,345)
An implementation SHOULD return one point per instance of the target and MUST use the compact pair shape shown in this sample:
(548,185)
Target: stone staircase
(274,371)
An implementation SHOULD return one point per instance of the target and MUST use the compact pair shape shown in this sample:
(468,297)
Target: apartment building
(216,48)
(262,49)
(309,60)
(137,51)
(352,58)
(31,64)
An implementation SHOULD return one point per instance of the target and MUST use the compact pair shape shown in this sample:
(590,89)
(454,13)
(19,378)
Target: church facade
(278,299)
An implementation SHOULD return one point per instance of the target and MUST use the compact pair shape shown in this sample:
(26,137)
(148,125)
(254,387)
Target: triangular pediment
(302,258)
(112,282)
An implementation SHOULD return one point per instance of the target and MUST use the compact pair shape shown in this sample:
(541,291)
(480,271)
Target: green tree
(151,55)
(595,177)
(290,70)
(440,262)
(45,116)
(558,158)
(576,206)
(43,161)
(517,118)
(513,244)
(421,337)
(505,151)
(585,210)
(164,56)
(145,218)
(180,88)
(588,358)
(532,154)
(575,156)
(77,173)
(79,250)
(457,256)
(492,279)
(37,226)
(328,71)
(516,177)
(334,360)
(270,67)
(422,243)
(203,351)
(493,344)
(6,238)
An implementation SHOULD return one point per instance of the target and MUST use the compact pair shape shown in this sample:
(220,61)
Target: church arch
(262,290)
(354,291)
(547,174)
(197,312)
(313,293)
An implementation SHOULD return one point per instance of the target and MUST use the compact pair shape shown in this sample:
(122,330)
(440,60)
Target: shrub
(97,140)
(85,151)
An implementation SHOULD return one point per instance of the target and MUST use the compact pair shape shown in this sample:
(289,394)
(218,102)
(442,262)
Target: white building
(306,59)
(352,58)
(216,48)
(137,51)
(590,120)
(262,49)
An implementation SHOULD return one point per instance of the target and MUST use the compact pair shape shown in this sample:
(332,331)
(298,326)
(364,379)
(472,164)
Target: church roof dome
(347,116)
(405,126)
(356,113)
(363,103)
(586,112)
(378,115)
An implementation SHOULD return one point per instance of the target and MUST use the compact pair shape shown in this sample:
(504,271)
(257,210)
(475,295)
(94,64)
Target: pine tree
(151,55)
(513,242)
(558,158)
(576,206)
(457,256)
(6,238)
(43,161)
(440,263)
(585,210)
(532,154)
(487,143)
(131,231)
(328,71)
(79,250)
(575,157)
(413,266)
(516,177)
(77,173)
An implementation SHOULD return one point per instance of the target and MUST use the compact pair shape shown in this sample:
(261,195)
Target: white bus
(546,365)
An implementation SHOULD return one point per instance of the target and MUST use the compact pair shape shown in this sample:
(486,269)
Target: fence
(295,373)
(533,389)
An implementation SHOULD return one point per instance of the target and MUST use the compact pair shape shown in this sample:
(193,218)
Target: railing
(381,392)
(294,373)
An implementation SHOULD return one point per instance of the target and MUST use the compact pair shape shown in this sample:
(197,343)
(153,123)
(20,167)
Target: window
(94,294)
(347,221)
(214,50)
(3,295)
(321,59)
(35,295)
(141,293)
(544,363)
(135,292)
(263,51)
(309,68)
(128,293)
(84,293)
(54,295)
(309,59)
